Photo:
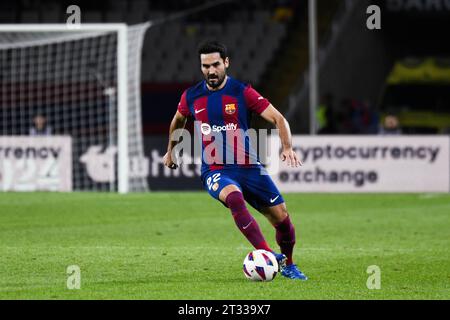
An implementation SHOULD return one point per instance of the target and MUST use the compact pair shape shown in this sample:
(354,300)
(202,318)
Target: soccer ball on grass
(260,265)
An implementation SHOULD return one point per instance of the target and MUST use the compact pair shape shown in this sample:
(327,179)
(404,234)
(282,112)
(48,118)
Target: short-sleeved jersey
(222,118)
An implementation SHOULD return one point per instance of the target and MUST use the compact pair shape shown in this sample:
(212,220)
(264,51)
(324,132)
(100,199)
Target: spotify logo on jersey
(205,128)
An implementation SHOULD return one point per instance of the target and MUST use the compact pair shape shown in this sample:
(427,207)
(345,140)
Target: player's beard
(216,84)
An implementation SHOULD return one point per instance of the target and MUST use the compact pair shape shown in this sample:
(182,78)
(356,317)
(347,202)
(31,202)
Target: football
(260,265)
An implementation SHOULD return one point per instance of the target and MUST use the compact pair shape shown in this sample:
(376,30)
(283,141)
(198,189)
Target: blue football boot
(281,259)
(293,272)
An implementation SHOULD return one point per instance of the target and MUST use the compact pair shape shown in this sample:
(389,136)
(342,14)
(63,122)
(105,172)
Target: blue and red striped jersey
(222,118)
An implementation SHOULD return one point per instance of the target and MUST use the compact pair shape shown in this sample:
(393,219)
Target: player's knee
(283,221)
(235,201)
(281,215)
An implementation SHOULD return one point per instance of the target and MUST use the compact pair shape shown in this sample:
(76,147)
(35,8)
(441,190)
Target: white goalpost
(85,83)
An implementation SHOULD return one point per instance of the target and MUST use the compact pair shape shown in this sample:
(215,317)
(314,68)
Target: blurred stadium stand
(252,30)
(356,65)
(245,28)
(268,45)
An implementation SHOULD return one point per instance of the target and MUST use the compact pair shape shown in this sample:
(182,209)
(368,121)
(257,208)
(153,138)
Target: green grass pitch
(186,246)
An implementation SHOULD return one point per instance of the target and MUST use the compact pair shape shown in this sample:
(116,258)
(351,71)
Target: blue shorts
(257,188)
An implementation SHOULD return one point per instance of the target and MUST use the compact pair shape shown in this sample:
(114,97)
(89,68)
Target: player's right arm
(178,122)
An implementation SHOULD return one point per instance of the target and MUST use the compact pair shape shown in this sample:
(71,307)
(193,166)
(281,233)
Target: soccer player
(222,105)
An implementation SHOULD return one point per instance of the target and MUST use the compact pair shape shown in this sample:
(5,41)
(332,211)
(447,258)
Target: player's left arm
(272,115)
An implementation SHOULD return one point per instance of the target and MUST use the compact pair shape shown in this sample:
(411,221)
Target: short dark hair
(212,46)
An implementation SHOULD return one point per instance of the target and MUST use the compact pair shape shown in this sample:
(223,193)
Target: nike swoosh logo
(198,111)
(247,225)
(273,200)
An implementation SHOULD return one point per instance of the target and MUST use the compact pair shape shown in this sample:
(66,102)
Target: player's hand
(291,158)
(168,162)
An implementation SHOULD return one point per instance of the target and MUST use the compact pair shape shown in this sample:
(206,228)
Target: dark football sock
(245,221)
(285,236)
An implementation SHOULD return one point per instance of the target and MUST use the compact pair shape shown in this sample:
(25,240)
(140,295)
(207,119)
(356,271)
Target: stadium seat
(53,16)
(114,16)
(261,16)
(91,16)
(118,5)
(155,15)
(135,17)
(139,5)
(236,28)
(29,17)
(7,15)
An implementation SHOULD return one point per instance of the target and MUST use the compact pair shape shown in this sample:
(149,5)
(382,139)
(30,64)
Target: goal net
(78,83)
